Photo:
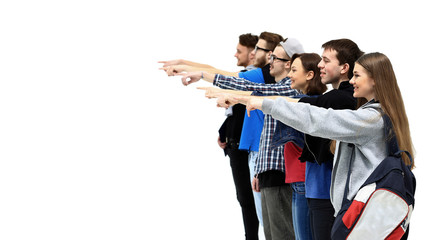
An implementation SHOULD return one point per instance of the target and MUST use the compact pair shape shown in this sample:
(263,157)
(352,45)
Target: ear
(269,54)
(251,55)
(345,68)
(288,64)
(310,75)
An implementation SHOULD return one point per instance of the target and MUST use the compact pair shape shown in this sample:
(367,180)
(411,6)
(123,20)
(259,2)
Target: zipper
(308,148)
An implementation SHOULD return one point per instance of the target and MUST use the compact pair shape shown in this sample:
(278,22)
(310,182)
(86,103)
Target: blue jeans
(300,212)
(252,158)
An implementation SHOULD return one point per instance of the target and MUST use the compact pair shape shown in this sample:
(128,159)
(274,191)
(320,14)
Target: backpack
(383,206)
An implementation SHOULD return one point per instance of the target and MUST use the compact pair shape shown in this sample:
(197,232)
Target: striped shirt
(268,158)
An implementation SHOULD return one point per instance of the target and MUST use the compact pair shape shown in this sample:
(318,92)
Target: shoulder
(254,75)
(336,99)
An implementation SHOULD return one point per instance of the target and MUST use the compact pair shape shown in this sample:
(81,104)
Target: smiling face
(330,68)
(363,84)
(299,77)
(278,67)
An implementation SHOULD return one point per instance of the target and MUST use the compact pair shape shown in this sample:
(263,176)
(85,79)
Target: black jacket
(318,149)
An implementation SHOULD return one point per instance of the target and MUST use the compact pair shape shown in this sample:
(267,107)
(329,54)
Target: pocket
(384,212)
(298,187)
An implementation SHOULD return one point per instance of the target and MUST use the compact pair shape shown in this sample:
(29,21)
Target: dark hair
(248,40)
(272,39)
(347,52)
(310,62)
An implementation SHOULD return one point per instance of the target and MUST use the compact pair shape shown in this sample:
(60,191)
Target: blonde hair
(389,96)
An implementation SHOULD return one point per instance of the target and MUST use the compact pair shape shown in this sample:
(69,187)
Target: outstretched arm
(183,62)
(177,66)
(192,77)
(251,102)
(214,92)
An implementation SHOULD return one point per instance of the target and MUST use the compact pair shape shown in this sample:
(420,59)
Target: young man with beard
(276,195)
(253,126)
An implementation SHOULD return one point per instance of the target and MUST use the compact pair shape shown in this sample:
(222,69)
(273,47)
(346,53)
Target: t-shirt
(294,169)
(252,126)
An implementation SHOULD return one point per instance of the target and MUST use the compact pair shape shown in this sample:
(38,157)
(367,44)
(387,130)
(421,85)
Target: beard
(260,62)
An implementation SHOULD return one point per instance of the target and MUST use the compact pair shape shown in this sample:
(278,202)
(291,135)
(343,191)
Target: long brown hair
(389,96)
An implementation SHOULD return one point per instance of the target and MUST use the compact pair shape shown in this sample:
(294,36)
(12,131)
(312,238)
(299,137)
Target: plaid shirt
(268,158)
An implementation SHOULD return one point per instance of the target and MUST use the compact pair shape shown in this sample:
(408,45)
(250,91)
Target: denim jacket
(284,134)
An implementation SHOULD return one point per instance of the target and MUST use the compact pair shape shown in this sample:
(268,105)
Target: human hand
(192,76)
(252,103)
(171,62)
(221,144)
(226,100)
(255,184)
(212,92)
(174,70)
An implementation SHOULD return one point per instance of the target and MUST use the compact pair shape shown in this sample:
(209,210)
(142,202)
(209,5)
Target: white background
(97,143)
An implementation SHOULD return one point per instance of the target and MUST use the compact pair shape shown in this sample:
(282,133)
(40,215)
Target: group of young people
(292,143)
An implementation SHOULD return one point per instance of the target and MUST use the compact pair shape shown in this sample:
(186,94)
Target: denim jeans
(300,212)
(252,158)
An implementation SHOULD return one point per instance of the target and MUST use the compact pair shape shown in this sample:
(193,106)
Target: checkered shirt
(268,158)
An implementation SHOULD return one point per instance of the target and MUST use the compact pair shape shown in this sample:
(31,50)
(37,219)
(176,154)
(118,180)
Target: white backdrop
(97,143)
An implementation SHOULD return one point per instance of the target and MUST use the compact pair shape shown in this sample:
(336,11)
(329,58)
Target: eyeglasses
(273,57)
(257,47)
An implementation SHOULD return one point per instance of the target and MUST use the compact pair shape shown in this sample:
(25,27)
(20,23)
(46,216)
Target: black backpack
(383,206)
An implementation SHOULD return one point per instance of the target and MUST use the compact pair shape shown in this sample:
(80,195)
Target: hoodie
(363,127)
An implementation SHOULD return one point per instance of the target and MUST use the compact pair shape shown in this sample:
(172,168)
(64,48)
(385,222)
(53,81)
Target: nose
(321,64)
(290,75)
(352,81)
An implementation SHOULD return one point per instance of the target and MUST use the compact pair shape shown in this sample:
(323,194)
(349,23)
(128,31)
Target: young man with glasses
(336,68)
(252,126)
(276,195)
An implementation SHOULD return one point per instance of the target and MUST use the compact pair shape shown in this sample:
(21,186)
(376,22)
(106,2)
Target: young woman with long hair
(373,80)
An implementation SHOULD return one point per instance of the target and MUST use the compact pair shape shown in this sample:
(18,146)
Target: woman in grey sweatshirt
(363,127)
(374,79)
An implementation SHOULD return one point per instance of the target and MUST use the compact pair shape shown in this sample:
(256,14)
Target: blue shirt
(318,180)
(252,126)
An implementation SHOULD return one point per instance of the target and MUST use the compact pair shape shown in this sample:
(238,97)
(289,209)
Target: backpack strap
(349,172)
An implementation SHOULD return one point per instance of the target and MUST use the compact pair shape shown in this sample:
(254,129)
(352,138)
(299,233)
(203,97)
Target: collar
(344,85)
(250,67)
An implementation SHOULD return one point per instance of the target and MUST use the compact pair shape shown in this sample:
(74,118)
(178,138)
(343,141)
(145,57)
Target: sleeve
(254,75)
(352,126)
(282,88)
(232,83)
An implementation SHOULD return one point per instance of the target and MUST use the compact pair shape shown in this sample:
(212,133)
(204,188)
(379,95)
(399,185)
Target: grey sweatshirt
(363,127)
